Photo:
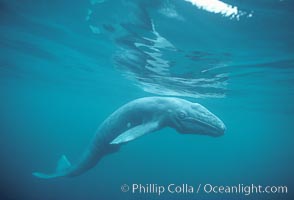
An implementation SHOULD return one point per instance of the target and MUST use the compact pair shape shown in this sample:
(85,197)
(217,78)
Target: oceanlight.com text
(172,188)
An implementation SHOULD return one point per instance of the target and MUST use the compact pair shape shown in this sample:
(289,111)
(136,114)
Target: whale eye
(182,115)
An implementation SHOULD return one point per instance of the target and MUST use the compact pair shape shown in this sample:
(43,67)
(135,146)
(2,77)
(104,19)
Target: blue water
(67,65)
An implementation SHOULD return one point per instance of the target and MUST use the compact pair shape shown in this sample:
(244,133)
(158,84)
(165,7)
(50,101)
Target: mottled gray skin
(182,115)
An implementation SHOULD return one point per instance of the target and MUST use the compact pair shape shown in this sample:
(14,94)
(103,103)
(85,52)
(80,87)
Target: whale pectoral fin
(135,132)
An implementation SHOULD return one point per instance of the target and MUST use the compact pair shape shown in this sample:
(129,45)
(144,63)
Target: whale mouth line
(205,124)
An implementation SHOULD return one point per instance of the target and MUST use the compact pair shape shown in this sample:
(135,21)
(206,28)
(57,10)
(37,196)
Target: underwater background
(67,65)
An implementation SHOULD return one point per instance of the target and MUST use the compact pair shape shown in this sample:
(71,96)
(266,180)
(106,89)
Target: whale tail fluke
(62,166)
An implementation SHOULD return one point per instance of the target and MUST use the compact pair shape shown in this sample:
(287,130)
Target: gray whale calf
(138,118)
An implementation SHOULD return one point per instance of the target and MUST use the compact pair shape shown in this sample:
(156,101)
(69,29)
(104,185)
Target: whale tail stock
(62,166)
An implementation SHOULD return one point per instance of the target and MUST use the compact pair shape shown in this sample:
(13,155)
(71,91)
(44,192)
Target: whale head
(193,118)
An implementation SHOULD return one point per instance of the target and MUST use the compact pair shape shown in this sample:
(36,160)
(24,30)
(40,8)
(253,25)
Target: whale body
(135,119)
